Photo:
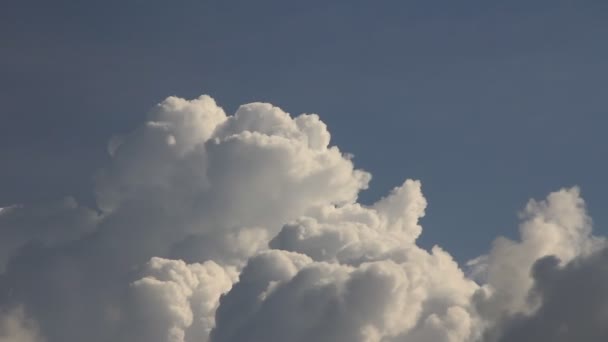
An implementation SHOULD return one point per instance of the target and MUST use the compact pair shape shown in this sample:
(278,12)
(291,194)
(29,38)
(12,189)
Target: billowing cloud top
(220,228)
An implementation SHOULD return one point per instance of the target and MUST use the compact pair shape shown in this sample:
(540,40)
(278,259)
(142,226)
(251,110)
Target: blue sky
(487,103)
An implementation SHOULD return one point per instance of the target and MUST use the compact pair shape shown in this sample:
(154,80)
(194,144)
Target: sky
(487,104)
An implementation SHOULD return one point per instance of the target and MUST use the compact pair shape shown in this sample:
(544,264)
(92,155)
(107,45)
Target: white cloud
(175,301)
(246,227)
(368,281)
(189,182)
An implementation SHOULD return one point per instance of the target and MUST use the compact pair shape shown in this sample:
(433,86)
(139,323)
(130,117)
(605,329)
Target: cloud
(15,327)
(49,223)
(333,302)
(558,226)
(175,301)
(365,280)
(190,182)
(246,227)
(574,305)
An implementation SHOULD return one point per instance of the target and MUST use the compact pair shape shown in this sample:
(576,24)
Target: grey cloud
(48,223)
(574,304)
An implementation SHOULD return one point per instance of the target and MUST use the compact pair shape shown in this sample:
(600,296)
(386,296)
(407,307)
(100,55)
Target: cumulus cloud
(15,327)
(574,305)
(190,182)
(320,301)
(175,301)
(387,287)
(246,227)
(558,226)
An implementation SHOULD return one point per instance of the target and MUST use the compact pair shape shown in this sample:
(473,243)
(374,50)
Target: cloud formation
(573,302)
(246,227)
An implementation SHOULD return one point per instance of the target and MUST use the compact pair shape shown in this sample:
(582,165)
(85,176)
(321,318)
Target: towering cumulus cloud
(220,228)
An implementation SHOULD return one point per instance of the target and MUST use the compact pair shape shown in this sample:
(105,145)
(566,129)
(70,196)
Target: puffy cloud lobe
(368,281)
(352,233)
(246,227)
(175,300)
(442,304)
(574,305)
(558,226)
(456,324)
(160,155)
(219,165)
(379,300)
(258,277)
